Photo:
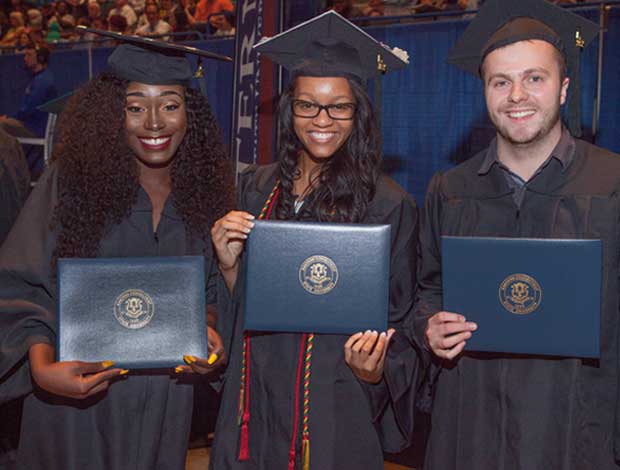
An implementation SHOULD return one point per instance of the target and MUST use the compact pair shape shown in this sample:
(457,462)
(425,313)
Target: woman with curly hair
(139,170)
(356,390)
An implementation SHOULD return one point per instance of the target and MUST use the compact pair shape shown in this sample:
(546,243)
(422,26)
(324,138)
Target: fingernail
(106,364)
(212,358)
(383,334)
(124,372)
(178,369)
(367,332)
(189,359)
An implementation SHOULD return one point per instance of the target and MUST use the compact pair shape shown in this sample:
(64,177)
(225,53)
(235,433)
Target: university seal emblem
(520,294)
(318,274)
(134,309)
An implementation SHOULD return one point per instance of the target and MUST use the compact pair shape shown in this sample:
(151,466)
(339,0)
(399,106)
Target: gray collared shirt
(563,153)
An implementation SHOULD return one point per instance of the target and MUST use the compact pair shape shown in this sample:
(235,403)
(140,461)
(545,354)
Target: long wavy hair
(98,173)
(347,181)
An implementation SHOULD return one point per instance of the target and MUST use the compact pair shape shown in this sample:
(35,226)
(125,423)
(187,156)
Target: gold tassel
(200,72)
(305,454)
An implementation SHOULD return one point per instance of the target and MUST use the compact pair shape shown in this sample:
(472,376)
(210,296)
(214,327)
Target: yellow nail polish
(178,369)
(212,358)
(189,359)
(123,372)
(106,364)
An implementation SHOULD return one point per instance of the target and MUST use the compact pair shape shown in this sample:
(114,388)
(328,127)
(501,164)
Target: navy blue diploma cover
(138,312)
(529,296)
(317,277)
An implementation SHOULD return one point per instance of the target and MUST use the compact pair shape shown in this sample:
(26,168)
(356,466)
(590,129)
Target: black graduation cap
(150,61)
(503,22)
(328,45)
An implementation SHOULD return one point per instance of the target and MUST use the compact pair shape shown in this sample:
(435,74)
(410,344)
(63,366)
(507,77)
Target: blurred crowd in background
(23,24)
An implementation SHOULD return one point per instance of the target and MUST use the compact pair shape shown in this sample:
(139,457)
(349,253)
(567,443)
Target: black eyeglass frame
(326,107)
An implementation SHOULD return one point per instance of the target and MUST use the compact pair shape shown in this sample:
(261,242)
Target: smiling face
(155,122)
(322,136)
(524,91)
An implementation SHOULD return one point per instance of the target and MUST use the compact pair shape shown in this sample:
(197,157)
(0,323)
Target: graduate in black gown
(139,170)
(535,180)
(360,400)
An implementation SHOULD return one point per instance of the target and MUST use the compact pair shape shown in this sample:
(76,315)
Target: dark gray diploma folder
(317,277)
(141,313)
(530,296)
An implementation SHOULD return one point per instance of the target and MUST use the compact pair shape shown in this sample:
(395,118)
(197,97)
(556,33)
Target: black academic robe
(14,182)
(348,420)
(498,412)
(142,422)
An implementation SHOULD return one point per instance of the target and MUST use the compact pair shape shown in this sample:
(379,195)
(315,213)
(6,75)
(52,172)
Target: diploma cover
(138,312)
(530,296)
(317,277)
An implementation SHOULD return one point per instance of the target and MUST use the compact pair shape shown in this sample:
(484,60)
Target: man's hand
(447,332)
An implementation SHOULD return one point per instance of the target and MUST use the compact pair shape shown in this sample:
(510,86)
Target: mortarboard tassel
(200,71)
(200,76)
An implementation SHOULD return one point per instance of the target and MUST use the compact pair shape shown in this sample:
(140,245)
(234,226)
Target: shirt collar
(564,152)
(143,204)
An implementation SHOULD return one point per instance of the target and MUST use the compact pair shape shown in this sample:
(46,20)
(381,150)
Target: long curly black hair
(98,174)
(347,180)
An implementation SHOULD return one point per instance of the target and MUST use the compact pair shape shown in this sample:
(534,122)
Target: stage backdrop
(433,115)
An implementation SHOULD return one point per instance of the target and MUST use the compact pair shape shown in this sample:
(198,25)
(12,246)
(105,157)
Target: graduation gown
(141,422)
(501,412)
(14,182)
(348,420)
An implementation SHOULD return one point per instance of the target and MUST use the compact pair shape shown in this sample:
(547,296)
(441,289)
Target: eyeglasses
(337,111)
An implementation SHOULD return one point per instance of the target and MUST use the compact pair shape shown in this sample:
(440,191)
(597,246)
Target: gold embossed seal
(134,309)
(520,294)
(318,274)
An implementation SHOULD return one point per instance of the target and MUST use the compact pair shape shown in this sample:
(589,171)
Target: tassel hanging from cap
(200,71)
(201,77)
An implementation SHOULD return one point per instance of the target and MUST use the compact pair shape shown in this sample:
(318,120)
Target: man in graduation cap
(535,180)
(139,170)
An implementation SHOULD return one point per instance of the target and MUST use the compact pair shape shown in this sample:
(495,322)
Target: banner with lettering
(255,84)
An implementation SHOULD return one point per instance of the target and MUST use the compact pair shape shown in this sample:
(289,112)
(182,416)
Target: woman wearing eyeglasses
(328,169)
